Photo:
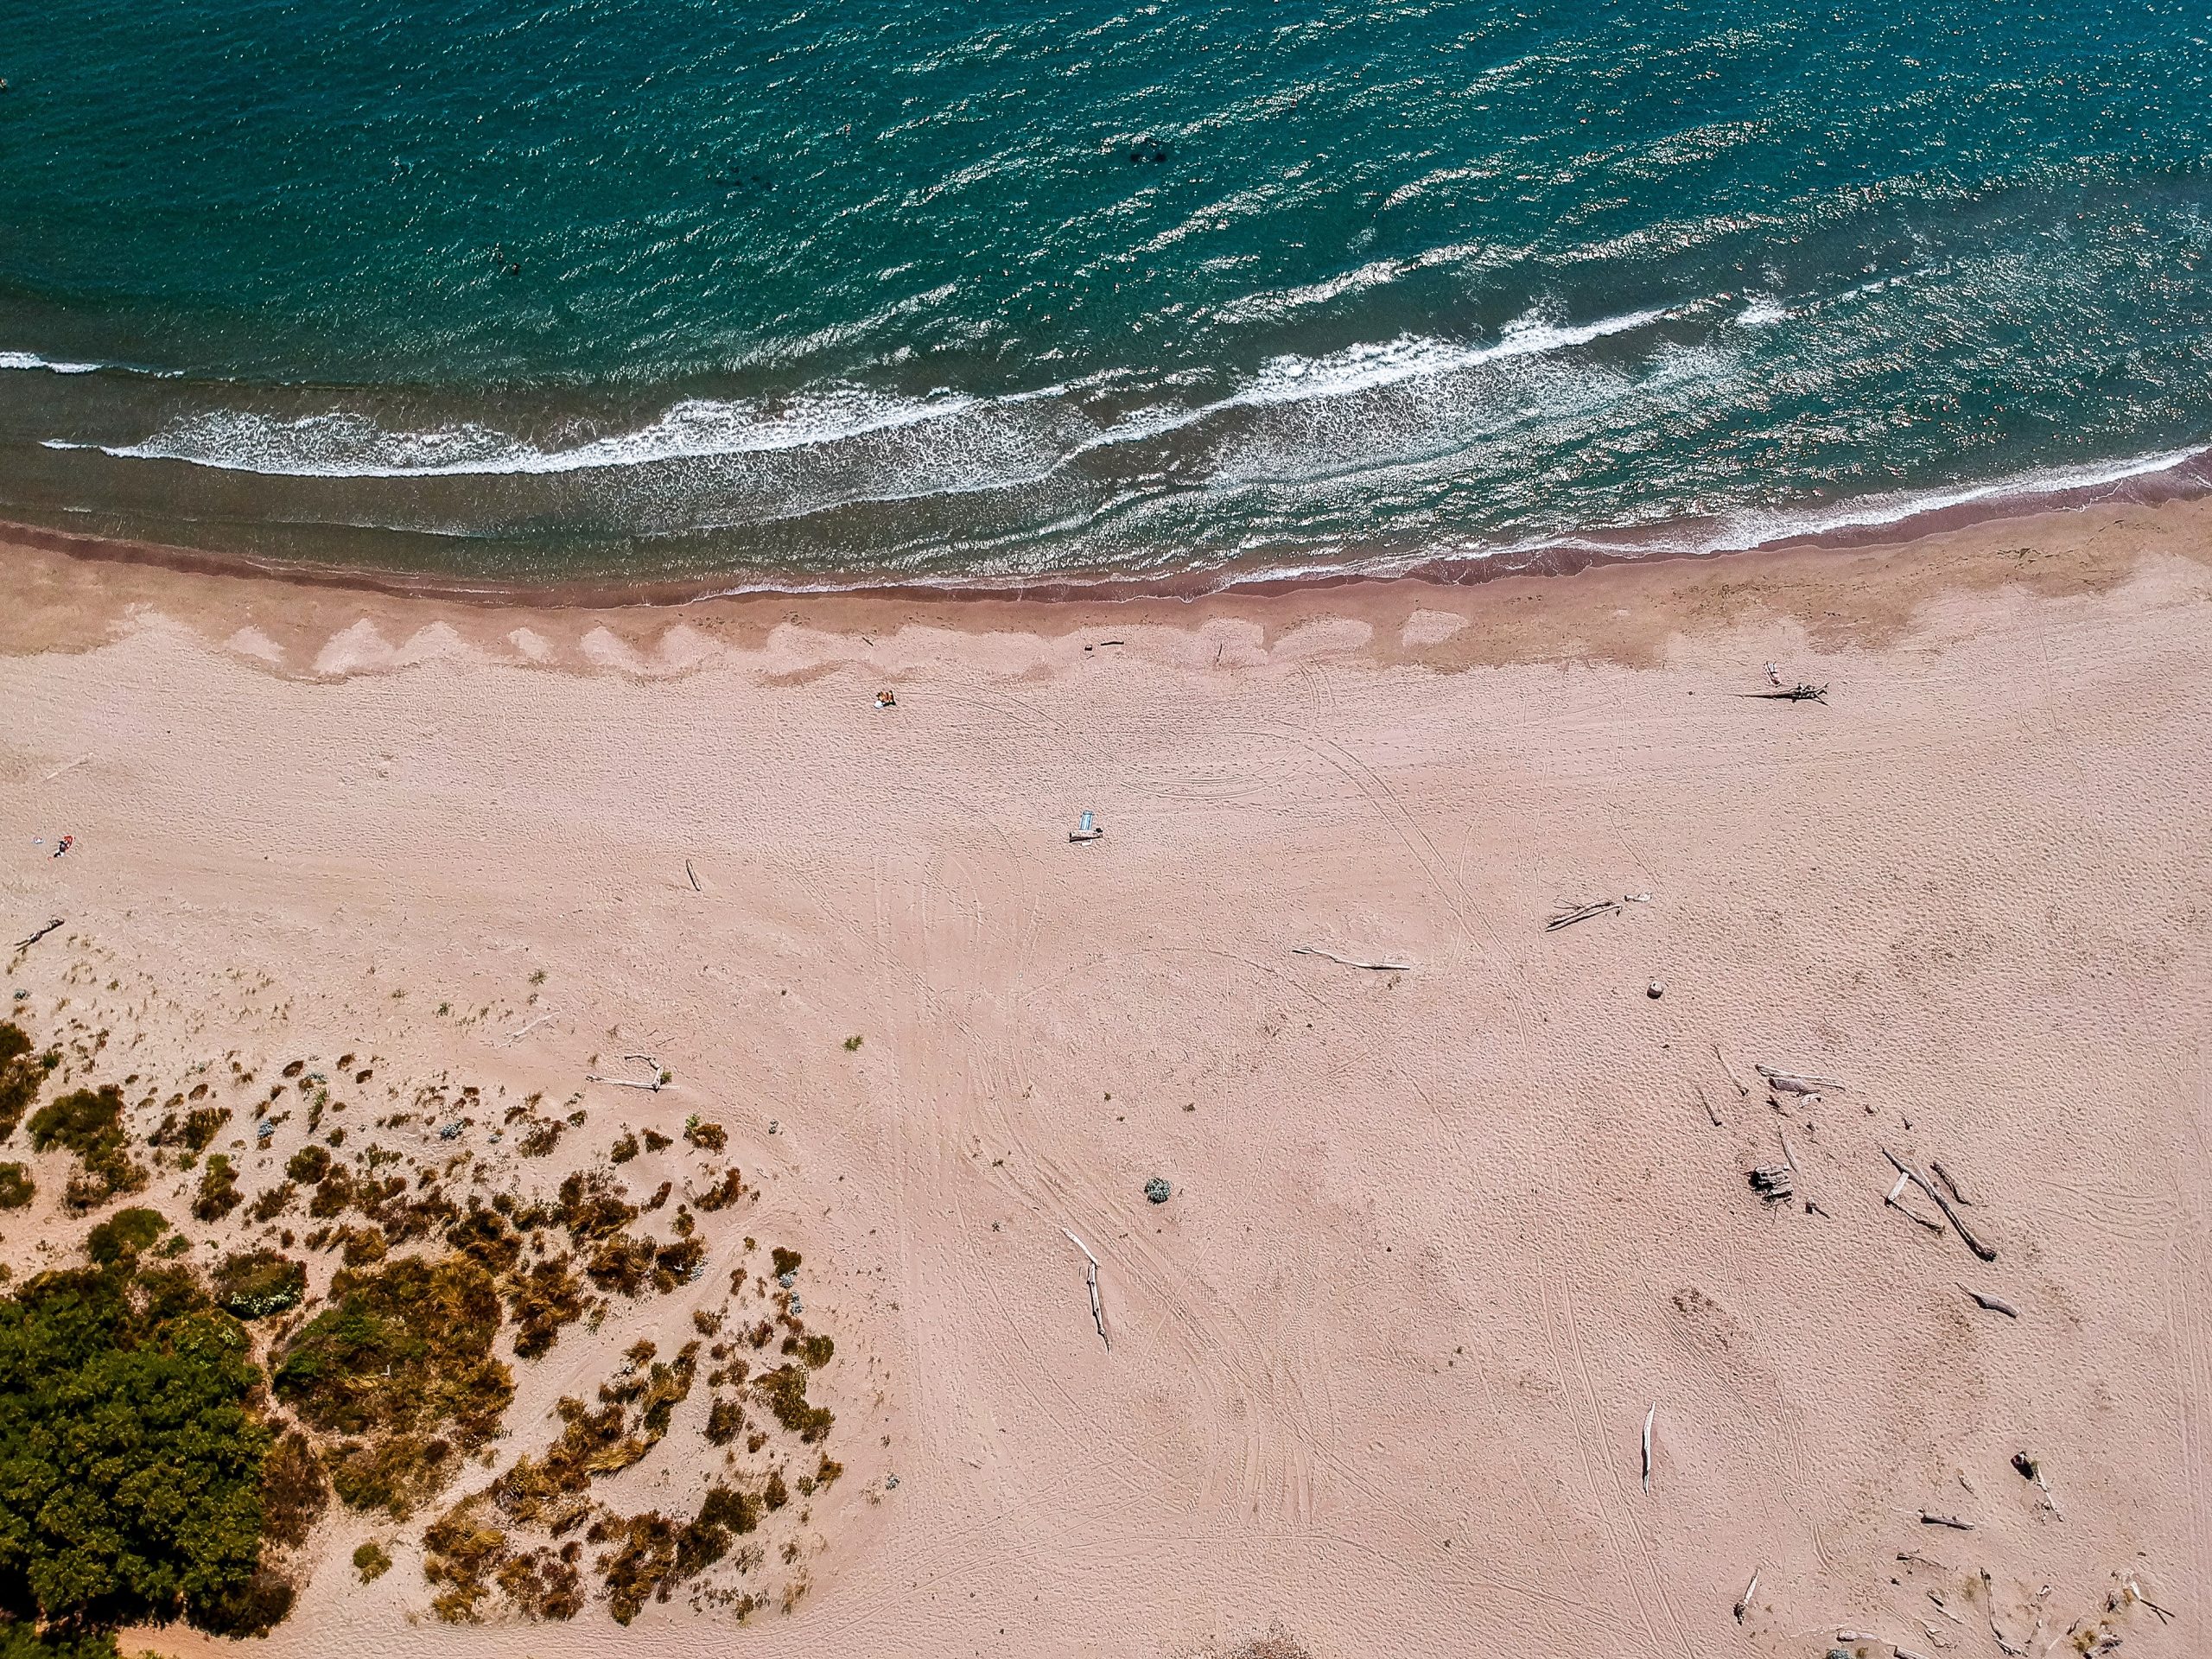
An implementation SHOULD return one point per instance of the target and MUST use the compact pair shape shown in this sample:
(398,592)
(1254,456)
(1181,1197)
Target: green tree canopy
(130,1456)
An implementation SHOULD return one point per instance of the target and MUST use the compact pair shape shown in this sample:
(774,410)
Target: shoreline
(2189,477)
(77,595)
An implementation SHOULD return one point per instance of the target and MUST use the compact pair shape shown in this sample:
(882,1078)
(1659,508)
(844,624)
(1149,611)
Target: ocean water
(821,293)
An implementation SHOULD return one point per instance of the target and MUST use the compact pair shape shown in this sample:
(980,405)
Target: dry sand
(1439,1238)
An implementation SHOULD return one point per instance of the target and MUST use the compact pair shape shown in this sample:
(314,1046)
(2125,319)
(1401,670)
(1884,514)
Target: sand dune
(1440,1237)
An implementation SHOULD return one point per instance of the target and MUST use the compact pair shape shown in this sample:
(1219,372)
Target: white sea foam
(32,361)
(345,445)
(1759,527)
(1415,357)
(1270,303)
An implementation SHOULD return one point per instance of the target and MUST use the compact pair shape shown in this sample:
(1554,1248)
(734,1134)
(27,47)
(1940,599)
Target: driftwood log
(1943,1204)
(1792,1083)
(1351,962)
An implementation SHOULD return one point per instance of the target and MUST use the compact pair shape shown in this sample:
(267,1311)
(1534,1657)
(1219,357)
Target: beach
(1445,1240)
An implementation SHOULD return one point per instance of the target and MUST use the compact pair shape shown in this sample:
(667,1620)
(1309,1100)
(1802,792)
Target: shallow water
(983,292)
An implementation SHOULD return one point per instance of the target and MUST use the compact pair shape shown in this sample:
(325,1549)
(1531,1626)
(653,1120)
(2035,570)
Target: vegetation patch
(400,1367)
(543,1301)
(218,1190)
(371,1562)
(627,1263)
(16,1187)
(132,1473)
(294,1491)
(783,1392)
(193,1130)
(254,1284)
(124,1234)
(591,1207)
(724,1193)
(89,1123)
(475,1561)
(22,1074)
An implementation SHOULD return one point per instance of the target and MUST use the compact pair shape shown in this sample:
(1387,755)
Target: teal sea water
(816,293)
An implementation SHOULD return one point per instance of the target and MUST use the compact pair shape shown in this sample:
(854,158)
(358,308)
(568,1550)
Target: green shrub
(130,1476)
(254,1284)
(218,1190)
(89,1123)
(124,1234)
(16,1187)
(21,1075)
(23,1641)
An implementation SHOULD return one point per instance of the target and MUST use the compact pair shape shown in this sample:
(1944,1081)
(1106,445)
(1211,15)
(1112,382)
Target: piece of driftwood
(1989,1597)
(1992,1303)
(1799,693)
(652,1086)
(1744,1601)
(1943,1204)
(1945,1611)
(1742,1088)
(1895,1201)
(1951,1186)
(1793,1083)
(1090,1278)
(1351,962)
(2136,1591)
(1708,1104)
(1789,1153)
(1774,1183)
(694,874)
(1927,1518)
(523,1030)
(1571,912)
(23,945)
(1648,1417)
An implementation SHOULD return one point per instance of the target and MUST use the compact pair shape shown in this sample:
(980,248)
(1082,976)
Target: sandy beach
(1442,1237)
